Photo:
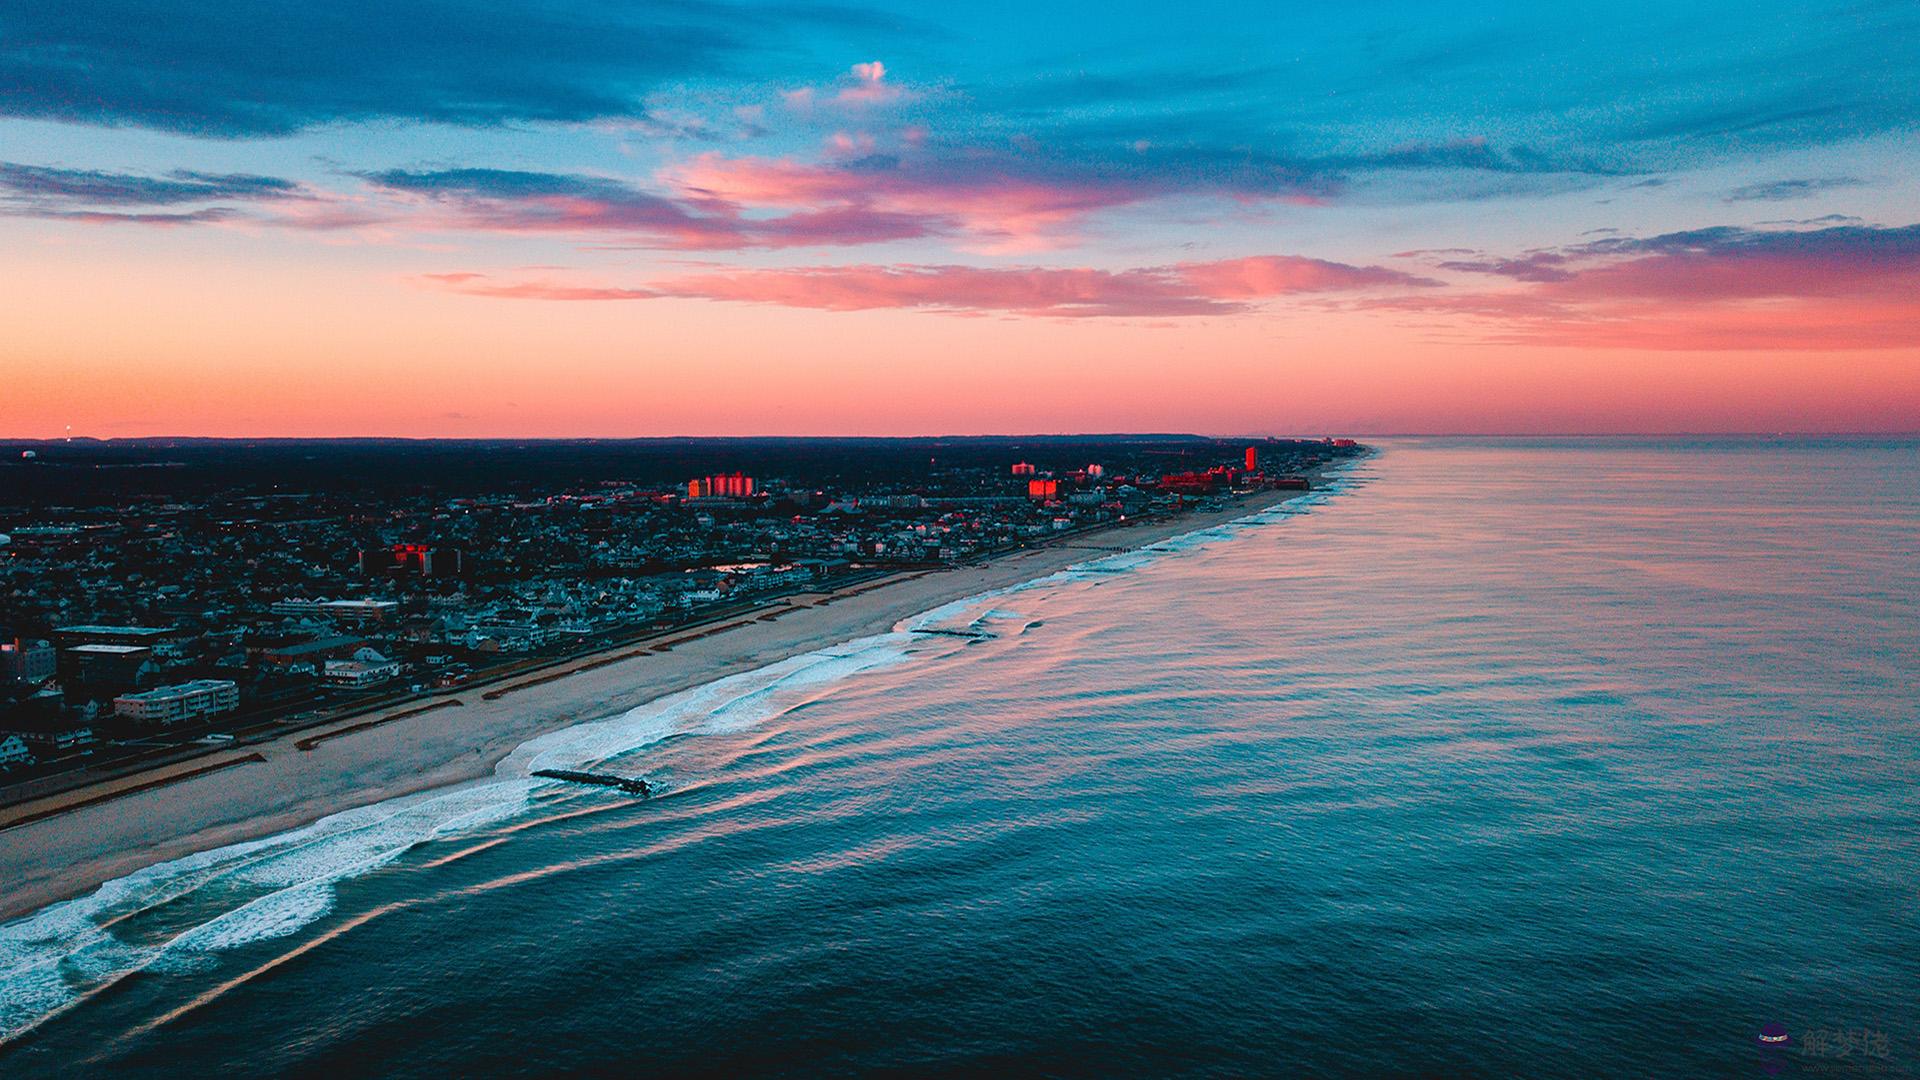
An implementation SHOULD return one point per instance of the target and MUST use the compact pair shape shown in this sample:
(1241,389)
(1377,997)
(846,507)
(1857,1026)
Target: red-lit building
(420,560)
(734,485)
(1023,468)
(1253,459)
(1045,489)
(1199,483)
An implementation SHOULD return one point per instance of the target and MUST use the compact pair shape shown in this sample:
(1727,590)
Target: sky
(559,218)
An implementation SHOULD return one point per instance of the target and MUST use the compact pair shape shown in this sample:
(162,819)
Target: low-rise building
(312,653)
(358,674)
(28,662)
(14,751)
(46,736)
(356,612)
(168,705)
(104,667)
(97,634)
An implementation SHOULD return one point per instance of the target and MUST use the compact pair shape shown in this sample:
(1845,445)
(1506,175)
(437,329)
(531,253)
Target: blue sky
(518,150)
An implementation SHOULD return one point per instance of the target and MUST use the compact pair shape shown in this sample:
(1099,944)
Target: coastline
(66,845)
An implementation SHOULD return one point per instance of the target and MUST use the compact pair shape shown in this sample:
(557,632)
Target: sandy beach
(66,845)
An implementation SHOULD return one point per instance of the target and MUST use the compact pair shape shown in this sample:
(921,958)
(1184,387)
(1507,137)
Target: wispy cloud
(534,202)
(1223,287)
(96,196)
(1720,288)
(1782,190)
(209,216)
(1533,266)
(99,187)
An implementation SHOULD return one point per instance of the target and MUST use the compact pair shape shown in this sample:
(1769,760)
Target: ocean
(1504,758)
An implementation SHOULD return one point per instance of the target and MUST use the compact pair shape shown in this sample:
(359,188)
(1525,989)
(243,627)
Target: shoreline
(66,845)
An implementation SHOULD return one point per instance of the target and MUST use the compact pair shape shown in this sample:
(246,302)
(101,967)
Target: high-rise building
(412,559)
(1253,459)
(734,485)
(1023,468)
(1045,490)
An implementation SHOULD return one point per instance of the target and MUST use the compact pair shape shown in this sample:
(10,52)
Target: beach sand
(73,842)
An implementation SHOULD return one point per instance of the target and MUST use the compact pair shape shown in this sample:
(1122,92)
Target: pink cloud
(869,85)
(851,142)
(1710,290)
(1000,209)
(1058,292)
(1278,275)
(1221,288)
(863,84)
(478,285)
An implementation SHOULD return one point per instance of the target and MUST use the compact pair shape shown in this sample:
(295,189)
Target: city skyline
(567,220)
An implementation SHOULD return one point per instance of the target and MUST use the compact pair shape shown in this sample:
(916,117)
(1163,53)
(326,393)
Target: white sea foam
(275,887)
(253,892)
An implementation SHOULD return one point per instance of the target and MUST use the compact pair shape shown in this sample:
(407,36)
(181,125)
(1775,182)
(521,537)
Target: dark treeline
(89,472)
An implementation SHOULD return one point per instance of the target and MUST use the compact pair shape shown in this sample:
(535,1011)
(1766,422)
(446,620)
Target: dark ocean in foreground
(1543,759)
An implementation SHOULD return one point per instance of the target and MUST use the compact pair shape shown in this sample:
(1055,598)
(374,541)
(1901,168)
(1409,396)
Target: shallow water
(1500,758)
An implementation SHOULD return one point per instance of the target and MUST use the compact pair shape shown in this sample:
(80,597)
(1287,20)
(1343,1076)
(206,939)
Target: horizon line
(9,440)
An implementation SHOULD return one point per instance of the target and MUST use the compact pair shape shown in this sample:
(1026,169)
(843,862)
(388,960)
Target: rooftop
(197,686)
(316,645)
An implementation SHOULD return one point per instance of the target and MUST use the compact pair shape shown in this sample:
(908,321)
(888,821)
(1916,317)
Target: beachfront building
(358,674)
(168,705)
(49,730)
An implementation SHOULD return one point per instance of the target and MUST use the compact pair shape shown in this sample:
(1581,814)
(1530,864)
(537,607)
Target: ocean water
(1494,758)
